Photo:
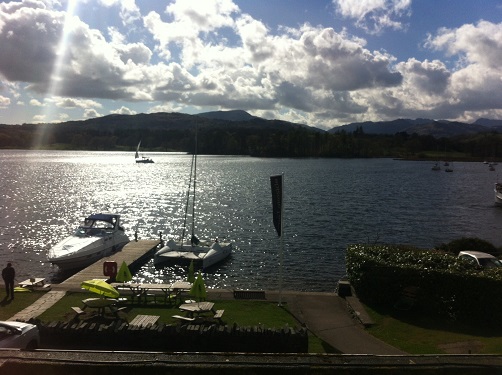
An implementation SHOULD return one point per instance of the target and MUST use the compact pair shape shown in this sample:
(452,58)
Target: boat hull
(144,161)
(498,193)
(203,256)
(74,252)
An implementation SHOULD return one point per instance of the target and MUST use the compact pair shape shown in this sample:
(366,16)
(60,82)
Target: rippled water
(329,203)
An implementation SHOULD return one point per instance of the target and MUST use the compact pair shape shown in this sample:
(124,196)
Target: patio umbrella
(100,287)
(21,289)
(198,288)
(124,275)
(191,275)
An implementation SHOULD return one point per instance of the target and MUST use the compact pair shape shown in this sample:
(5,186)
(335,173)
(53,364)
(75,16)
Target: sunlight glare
(55,78)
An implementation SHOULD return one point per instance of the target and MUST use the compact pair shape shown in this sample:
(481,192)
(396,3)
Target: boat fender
(110,269)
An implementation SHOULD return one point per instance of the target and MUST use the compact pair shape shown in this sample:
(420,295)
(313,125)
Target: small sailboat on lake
(141,159)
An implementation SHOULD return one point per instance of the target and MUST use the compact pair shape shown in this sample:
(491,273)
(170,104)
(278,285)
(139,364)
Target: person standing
(8,275)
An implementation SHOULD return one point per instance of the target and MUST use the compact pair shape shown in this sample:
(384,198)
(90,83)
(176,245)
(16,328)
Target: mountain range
(245,121)
(420,126)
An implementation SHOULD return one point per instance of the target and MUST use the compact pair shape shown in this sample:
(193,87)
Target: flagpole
(281,252)
(277,185)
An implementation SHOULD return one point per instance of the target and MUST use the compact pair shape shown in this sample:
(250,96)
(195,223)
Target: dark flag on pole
(276,184)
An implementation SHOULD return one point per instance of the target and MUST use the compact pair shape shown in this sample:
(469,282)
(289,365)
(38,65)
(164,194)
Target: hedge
(448,286)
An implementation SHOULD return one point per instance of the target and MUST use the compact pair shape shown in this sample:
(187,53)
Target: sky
(320,63)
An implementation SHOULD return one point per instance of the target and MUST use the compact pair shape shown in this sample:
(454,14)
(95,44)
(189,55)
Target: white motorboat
(100,235)
(498,192)
(141,159)
(204,254)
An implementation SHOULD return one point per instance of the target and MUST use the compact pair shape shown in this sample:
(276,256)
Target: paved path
(39,306)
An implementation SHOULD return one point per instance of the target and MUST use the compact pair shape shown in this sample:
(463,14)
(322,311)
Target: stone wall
(172,338)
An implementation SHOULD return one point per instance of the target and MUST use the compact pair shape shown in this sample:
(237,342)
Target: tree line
(246,140)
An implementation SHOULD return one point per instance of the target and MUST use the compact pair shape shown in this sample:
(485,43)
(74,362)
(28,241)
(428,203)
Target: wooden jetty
(135,254)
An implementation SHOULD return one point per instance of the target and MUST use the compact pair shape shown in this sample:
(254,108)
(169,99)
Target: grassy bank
(418,333)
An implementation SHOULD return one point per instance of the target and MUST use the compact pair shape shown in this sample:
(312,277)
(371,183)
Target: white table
(197,308)
(33,282)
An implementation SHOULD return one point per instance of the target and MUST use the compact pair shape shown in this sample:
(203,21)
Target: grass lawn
(410,331)
(418,333)
(243,313)
(20,302)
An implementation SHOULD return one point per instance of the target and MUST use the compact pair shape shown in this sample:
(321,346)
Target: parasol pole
(281,252)
(277,184)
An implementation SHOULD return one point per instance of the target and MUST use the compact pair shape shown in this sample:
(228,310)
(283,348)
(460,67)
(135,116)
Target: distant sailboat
(141,159)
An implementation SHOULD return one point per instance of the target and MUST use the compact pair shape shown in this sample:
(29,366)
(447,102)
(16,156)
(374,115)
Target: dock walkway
(135,254)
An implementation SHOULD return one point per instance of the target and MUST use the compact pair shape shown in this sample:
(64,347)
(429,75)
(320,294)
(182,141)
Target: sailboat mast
(194,183)
(187,202)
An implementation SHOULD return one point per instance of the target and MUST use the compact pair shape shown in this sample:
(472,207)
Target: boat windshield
(95,228)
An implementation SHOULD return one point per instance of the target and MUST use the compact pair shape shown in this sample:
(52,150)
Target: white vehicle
(480,259)
(19,335)
(498,193)
(99,236)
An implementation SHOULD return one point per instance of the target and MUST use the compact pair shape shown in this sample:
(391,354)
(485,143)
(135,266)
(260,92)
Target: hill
(437,129)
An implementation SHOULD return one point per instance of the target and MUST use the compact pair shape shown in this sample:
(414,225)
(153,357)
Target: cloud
(215,56)
(4,102)
(129,11)
(124,111)
(91,113)
(75,103)
(35,103)
(374,15)
(475,84)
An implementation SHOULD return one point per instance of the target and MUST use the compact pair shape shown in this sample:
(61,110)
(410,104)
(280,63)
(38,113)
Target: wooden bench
(218,315)
(144,320)
(78,311)
(249,294)
(408,298)
(185,318)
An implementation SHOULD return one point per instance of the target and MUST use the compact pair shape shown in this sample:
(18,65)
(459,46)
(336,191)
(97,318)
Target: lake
(329,203)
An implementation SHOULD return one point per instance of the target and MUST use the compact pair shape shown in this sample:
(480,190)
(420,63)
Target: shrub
(469,243)
(449,287)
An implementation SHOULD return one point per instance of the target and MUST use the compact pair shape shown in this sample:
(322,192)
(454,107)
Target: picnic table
(144,321)
(141,292)
(34,282)
(197,308)
(102,305)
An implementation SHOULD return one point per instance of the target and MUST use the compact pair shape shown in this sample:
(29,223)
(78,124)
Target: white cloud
(124,111)
(35,103)
(69,103)
(214,56)
(129,11)
(374,15)
(4,101)
(91,113)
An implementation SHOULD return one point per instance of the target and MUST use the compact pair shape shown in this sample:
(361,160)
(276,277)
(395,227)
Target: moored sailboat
(203,253)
